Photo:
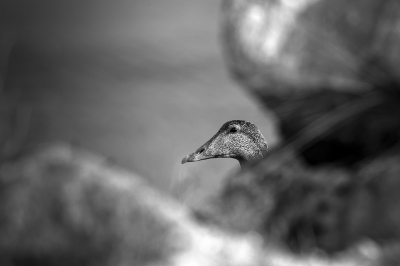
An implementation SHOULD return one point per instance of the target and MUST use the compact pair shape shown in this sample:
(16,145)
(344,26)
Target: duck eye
(233,130)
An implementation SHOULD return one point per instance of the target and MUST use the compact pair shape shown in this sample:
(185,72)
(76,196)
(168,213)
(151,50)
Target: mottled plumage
(237,139)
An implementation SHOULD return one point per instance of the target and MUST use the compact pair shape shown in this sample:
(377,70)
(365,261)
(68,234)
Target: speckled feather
(237,139)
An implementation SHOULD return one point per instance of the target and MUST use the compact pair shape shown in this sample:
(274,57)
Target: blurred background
(141,82)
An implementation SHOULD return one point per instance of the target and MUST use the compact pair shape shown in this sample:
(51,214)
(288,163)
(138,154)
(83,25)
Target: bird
(237,139)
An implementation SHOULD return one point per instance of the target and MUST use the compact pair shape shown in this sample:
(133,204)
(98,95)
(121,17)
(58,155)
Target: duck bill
(205,152)
(195,157)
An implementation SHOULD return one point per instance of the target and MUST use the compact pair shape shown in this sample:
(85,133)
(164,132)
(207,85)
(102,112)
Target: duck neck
(260,153)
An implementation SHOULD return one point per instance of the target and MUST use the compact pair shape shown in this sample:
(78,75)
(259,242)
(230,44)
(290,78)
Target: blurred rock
(322,66)
(64,206)
(281,47)
(325,210)
(330,72)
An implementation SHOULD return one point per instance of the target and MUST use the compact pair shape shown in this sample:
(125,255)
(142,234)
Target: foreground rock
(328,210)
(62,206)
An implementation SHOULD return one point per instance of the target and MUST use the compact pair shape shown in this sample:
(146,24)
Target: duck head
(237,139)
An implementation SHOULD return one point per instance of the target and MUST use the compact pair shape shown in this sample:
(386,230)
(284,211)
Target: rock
(64,206)
(283,47)
(328,70)
(326,210)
